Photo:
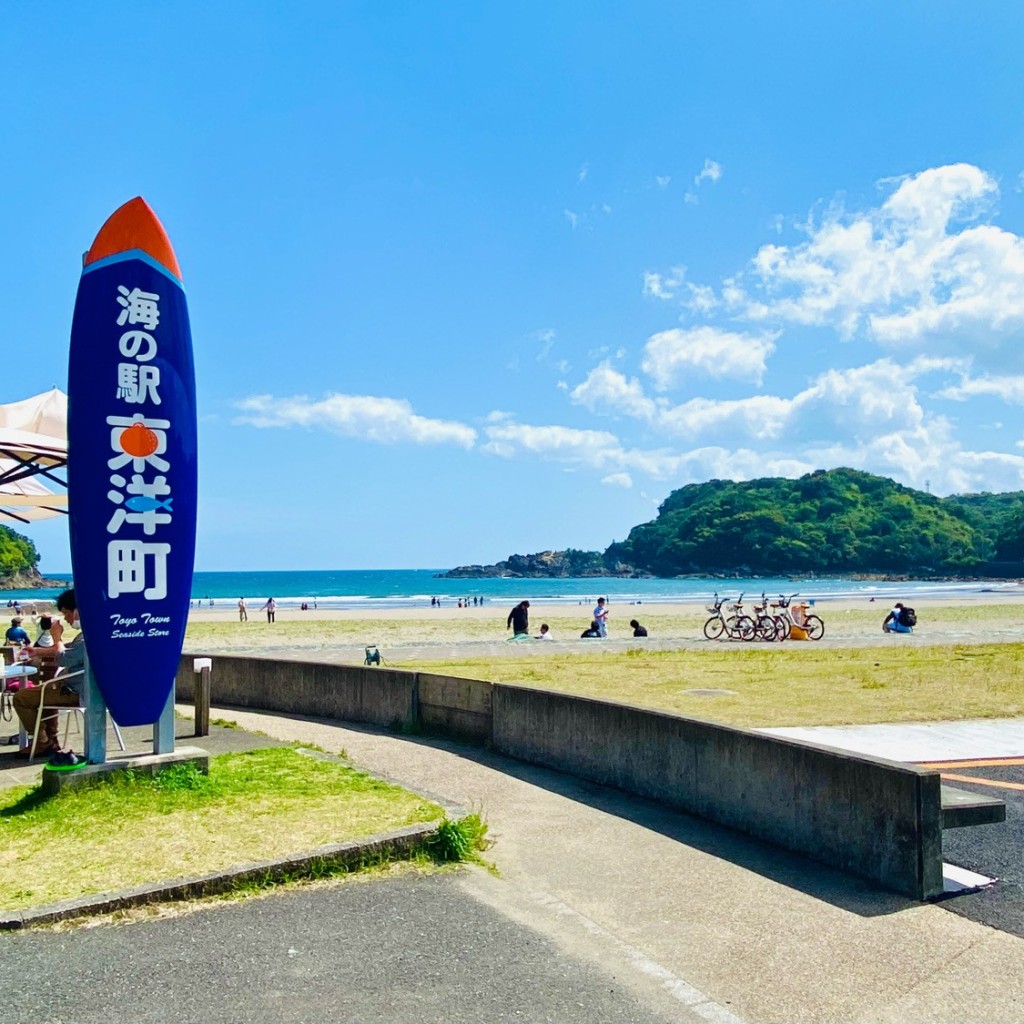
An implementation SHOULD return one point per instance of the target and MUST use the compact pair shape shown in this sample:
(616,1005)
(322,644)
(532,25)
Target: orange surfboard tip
(134,226)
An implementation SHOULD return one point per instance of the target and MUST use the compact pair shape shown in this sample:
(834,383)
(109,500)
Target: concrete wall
(875,818)
(378,696)
(414,701)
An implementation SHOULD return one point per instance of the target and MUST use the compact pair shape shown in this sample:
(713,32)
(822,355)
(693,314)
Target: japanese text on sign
(140,490)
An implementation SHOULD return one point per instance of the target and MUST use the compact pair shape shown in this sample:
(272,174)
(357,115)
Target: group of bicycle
(772,621)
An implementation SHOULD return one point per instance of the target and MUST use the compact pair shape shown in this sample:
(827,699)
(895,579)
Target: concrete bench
(961,808)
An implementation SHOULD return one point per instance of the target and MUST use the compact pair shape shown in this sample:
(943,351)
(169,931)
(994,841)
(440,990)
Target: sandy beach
(418,634)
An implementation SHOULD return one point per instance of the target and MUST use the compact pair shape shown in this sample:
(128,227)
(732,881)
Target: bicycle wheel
(815,627)
(714,627)
(781,628)
(766,628)
(741,627)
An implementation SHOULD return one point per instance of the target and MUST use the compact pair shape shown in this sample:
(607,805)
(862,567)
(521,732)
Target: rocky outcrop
(546,564)
(29,579)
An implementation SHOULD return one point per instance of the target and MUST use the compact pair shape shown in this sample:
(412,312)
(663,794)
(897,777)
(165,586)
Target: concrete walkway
(678,910)
(920,742)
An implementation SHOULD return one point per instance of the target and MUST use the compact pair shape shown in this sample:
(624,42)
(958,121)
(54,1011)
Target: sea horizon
(371,589)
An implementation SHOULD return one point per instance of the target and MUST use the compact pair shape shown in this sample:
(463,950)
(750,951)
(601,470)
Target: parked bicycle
(811,624)
(769,626)
(736,626)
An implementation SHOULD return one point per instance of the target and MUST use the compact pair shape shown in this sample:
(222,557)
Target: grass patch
(460,839)
(782,685)
(131,830)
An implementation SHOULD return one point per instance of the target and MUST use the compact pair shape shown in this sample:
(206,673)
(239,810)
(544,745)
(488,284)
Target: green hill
(18,555)
(831,522)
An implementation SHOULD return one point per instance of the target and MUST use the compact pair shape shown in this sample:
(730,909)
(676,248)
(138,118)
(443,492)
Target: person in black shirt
(519,619)
(638,630)
(593,630)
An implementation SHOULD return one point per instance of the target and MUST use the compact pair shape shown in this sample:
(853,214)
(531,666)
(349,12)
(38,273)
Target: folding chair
(60,679)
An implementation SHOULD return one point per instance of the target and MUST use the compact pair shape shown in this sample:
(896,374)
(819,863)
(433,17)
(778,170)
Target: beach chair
(61,678)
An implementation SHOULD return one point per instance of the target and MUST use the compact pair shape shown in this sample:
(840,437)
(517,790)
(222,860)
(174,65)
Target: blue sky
(468,280)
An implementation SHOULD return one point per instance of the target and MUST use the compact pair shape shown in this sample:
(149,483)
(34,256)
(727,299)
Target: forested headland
(18,560)
(830,522)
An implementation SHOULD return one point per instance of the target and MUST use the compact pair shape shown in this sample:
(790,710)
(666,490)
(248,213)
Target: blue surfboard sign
(132,466)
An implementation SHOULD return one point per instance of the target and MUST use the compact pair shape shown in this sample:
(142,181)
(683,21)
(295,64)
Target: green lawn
(129,831)
(780,685)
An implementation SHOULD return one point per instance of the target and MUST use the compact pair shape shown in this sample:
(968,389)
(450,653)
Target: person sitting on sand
(638,630)
(895,621)
(519,619)
(545,632)
(593,630)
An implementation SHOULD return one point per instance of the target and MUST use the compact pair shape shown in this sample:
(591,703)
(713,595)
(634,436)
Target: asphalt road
(991,850)
(409,949)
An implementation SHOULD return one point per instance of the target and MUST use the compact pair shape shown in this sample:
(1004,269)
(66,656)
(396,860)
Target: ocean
(413,588)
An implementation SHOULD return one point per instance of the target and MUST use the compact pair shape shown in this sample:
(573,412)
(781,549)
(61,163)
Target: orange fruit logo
(139,441)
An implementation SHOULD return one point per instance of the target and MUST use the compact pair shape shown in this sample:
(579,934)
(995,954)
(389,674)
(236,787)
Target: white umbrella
(33,444)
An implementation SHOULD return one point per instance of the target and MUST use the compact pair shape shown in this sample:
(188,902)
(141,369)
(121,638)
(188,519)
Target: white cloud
(663,286)
(572,218)
(856,404)
(711,171)
(565,444)
(910,269)
(366,417)
(663,180)
(606,388)
(546,337)
(669,355)
(701,298)
(690,198)
(581,175)
(1007,389)
(618,480)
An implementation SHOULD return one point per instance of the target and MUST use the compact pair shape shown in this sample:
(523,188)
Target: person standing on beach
(519,619)
(270,608)
(243,614)
(601,616)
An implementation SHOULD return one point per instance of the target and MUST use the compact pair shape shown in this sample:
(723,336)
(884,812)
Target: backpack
(908,617)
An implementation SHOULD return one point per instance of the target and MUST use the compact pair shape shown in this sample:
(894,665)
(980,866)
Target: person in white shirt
(545,632)
(601,616)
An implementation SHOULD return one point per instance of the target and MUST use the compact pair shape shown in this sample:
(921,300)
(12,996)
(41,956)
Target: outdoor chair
(60,679)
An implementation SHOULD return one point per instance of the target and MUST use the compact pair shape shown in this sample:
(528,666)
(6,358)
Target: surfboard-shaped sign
(132,469)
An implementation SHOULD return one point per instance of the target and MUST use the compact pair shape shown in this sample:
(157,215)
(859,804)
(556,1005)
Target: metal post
(202,667)
(163,728)
(95,718)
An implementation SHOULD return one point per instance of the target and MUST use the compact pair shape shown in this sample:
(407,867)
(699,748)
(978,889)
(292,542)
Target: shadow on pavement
(858,896)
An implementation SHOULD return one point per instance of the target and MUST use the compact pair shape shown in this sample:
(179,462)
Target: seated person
(593,630)
(638,630)
(44,652)
(895,621)
(15,635)
(72,659)
(545,632)
(45,638)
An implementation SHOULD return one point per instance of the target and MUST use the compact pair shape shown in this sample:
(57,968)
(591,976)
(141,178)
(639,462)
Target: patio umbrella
(33,446)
